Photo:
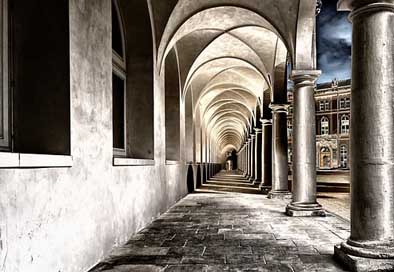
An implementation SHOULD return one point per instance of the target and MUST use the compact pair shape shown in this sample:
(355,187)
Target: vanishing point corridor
(196,135)
(221,228)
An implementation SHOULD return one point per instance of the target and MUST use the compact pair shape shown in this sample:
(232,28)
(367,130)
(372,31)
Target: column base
(285,195)
(361,264)
(305,209)
(265,189)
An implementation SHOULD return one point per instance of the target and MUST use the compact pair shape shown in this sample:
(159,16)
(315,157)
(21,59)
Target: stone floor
(230,231)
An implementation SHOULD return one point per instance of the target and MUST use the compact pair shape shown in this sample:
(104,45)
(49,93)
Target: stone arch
(250,10)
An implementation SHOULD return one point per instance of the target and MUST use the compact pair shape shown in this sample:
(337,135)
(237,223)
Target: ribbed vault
(232,58)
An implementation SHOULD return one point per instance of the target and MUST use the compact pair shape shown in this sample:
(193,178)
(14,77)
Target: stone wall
(66,219)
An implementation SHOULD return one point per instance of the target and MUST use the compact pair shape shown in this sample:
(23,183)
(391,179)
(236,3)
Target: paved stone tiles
(338,203)
(230,232)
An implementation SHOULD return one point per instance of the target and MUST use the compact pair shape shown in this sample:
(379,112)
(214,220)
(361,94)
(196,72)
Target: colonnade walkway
(231,231)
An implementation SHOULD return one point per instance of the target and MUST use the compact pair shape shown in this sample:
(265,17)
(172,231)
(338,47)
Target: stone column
(280,187)
(252,158)
(371,243)
(248,158)
(304,146)
(244,160)
(266,156)
(257,156)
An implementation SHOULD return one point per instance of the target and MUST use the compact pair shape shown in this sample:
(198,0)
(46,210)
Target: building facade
(332,104)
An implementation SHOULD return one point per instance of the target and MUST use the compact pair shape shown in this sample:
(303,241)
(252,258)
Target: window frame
(289,128)
(121,151)
(342,103)
(345,128)
(119,69)
(5,123)
(343,159)
(347,102)
(326,130)
(321,105)
(326,105)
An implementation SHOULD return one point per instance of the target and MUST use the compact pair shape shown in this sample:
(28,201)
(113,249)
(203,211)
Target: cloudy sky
(333,43)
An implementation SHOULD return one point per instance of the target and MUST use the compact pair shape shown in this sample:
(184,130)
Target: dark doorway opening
(198,181)
(190,179)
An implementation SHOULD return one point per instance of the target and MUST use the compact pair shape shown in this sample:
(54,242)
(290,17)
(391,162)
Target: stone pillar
(266,156)
(280,187)
(252,158)
(304,146)
(248,158)
(244,161)
(371,243)
(257,156)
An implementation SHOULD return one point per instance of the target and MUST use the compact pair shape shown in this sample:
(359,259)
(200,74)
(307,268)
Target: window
(326,105)
(324,126)
(133,63)
(289,128)
(344,156)
(118,84)
(347,102)
(345,124)
(4,91)
(321,105)
(172,107)
(289,155)
(35,73)
(344,103)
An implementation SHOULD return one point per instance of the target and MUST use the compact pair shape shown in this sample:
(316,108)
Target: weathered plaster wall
(66,219)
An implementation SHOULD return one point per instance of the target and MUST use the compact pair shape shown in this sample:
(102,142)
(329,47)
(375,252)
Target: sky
(334,33)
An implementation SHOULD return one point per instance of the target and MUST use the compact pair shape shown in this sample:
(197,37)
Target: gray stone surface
(231,232)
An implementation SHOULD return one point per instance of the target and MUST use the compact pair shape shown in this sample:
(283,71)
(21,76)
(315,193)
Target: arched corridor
(160,128)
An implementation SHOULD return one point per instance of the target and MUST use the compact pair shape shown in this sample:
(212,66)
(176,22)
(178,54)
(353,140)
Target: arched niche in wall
(139,48)
(172,107)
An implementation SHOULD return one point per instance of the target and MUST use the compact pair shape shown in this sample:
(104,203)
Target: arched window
(118,83)
(343,156)
(345,124)
(324,126)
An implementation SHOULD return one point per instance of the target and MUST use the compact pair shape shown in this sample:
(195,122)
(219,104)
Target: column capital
(279,108)
(358,7)
(257,130)
(266,122)
(305,77)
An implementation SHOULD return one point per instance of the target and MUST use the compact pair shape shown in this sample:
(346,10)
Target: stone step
(236,189)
